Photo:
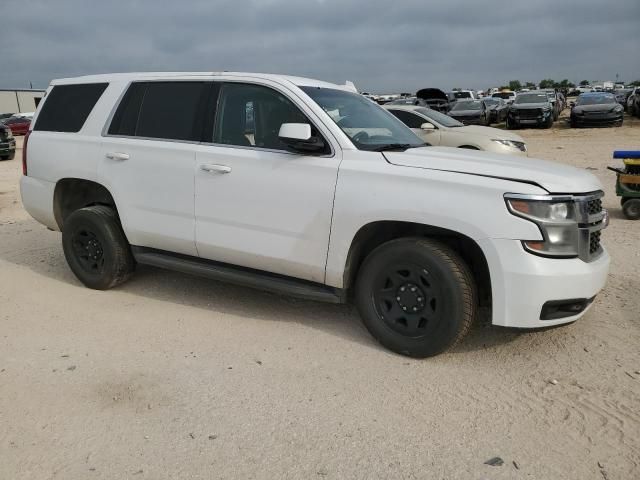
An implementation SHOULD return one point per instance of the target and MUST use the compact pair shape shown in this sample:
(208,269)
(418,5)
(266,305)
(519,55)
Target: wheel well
(375,234)
(74,193)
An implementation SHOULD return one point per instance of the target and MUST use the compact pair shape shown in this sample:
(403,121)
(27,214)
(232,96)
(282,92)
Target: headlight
(556,218)
(618,108)
(511,144)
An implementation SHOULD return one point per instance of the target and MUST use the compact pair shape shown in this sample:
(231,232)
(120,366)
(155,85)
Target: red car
(18,125)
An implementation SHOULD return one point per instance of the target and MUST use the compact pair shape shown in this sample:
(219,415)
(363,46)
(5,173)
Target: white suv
(303,187)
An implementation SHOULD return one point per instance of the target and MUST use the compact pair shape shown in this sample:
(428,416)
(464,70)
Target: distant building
(19,100)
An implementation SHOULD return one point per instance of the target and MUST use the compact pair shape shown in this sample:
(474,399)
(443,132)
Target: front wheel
(416,296)
(510,124)
(96,248)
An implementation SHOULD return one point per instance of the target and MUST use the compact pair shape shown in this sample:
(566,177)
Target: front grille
(530,113)
(591,220)
(594,206)
(594,242)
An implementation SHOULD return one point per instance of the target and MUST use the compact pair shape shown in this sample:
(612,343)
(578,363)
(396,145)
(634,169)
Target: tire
(549,123)
(631,208)
(96,230)
(510,125)
(11,156)
(445,296)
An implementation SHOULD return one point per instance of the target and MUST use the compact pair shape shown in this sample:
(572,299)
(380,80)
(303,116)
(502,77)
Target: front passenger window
(251,116)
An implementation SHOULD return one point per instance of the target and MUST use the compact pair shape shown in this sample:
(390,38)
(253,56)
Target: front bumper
(7,147)
(522,283)
(538,120)
(597,120)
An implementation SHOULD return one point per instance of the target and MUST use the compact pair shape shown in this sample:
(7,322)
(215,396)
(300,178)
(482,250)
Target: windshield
(595,99)
(532,98)
(462,94)
(467,106)
(369,126)
(440,118)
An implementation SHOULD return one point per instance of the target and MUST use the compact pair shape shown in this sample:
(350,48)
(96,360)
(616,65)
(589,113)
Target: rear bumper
(522,283)
(37,198)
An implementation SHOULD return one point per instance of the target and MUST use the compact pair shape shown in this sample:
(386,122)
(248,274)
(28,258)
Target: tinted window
(172,110)
(125,119)
(251,115)
(411,120)
(167,110)
(67,107)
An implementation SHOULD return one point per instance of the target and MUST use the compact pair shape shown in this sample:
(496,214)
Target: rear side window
(67,107)
(164,110)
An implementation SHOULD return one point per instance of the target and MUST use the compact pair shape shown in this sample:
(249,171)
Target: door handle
(117,156)
(213,168)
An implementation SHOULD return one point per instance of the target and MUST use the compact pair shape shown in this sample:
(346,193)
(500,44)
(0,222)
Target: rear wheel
(96,248)
(631,208)
(416,296)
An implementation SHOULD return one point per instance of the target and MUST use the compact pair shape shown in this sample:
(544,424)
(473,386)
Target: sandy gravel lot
(176,377)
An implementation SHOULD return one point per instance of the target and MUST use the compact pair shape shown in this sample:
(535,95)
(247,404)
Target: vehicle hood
(553,177)
(432,94)
(518,106)
(466,113)
(602,107)
(488,132)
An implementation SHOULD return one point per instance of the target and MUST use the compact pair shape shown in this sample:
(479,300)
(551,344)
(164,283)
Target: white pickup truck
(303,187)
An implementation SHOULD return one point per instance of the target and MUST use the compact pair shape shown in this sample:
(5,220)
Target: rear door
(148,162)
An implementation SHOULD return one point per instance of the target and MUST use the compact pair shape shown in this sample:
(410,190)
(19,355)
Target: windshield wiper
(397,146)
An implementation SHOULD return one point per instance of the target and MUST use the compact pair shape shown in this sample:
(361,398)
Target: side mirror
(427,126)
(297,136)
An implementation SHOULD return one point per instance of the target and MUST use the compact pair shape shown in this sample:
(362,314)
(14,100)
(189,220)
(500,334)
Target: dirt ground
(170,376)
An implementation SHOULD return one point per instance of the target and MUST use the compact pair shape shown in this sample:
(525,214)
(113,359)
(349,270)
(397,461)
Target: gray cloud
(380,45)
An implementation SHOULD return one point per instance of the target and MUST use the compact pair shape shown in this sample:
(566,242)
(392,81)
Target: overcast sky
(381,45)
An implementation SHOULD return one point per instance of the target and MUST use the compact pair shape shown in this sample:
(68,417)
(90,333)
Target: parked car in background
(557,104)
(435,99)
(19,124)
(596,109)
(622,95)
(465,95)
(633,102)
(407,101)
(497,108)
(531,108)
(7,143)
(507,95)
(4,116)
(471,112)
(438,129)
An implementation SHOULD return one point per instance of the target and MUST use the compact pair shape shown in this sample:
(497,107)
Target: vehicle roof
(128,77)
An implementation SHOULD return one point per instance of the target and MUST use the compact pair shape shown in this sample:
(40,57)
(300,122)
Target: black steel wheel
(407,298)
(416,296)
(96,248)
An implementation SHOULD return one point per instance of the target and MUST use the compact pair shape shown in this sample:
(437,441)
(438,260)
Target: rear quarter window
(67,107)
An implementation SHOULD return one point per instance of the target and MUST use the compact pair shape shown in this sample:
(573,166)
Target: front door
(258,205)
